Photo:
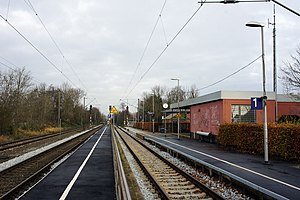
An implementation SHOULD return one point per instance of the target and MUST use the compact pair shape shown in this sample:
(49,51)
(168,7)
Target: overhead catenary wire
(55,43)
(14,69)
(164,30)
(253,1)
(147,44)
(41,53)
(29,4)
(8,6)
(163,51)
(223,79)
(9,67)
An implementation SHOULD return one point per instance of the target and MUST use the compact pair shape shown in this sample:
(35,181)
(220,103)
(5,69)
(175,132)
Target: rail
(16,143)
(169,172)
(247,186)
(122,190)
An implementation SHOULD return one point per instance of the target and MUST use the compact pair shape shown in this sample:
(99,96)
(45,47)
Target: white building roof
(234,95)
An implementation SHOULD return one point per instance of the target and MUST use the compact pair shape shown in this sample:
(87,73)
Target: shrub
(292,119)
(283,139)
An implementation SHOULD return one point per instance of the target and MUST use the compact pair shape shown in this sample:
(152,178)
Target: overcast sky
(103,42)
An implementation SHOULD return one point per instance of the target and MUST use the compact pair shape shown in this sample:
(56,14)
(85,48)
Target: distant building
(207,112)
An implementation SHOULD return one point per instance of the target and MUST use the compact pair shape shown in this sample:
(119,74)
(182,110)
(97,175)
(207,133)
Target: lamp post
(261,26)
(178,122)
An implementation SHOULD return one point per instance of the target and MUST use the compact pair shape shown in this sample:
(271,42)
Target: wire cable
(147,44)
(42,54)
(14,69)
(8,6)
(163,27)
(5,65)
(223,79)
(163,51)
(29,4)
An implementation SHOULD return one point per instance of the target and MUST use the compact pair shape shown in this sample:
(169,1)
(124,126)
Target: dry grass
(21,134)
(26,133)
(52,130)
(4,138)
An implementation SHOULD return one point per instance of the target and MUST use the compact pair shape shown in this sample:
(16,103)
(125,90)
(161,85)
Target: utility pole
(84,112)
(138,120)
(58,114)
(153,119)
(274,65)
(127,113)
(143,114)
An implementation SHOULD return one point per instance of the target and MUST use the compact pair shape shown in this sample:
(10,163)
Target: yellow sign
(114,110)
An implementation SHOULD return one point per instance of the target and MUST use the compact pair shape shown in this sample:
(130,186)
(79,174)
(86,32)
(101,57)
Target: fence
(159,127)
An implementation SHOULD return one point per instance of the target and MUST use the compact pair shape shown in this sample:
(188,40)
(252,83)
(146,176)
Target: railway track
(170,181)
(20,176)
(13,149)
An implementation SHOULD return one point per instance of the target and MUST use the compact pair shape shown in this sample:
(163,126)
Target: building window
(242,113)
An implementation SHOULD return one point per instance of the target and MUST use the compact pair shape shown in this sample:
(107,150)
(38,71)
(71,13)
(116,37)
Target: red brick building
(209,111)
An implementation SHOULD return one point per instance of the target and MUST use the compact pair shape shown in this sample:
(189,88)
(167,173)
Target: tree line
(26,105)
(158,95)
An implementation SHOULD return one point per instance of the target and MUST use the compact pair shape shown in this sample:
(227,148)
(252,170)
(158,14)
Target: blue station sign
(256,103)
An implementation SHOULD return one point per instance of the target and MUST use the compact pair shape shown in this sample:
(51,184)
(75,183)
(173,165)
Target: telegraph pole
(274,65)
(153,119)
(138,108)
(84,114)
(58,114)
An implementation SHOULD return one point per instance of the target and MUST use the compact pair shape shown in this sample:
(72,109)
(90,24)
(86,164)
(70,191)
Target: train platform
(279,179)
(87,174)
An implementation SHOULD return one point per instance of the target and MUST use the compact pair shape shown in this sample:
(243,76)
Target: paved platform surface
(282,179)
(86,174)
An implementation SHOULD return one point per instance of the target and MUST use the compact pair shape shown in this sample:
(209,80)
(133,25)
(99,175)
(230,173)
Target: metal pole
(153,119)
(83,112)
(143,114)
(275,68)
(265,99)
(127,113)
(285,7)
(172,121)
(178,116)
(165,123)
(252,1)
(58,114)
(138,114)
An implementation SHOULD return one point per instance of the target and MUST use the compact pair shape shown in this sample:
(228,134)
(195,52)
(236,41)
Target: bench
(203,136)
(202,133)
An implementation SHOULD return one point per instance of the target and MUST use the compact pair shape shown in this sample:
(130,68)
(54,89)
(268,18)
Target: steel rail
(201,186)
(122,188)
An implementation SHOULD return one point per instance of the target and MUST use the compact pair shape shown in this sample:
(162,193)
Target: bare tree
(14,86)
(69,102)
(291,71)
(176,93)
(192,92)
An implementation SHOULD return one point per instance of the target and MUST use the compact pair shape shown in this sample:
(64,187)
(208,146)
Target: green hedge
(284,139)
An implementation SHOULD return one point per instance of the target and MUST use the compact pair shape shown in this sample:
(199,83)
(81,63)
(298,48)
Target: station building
(207,112)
